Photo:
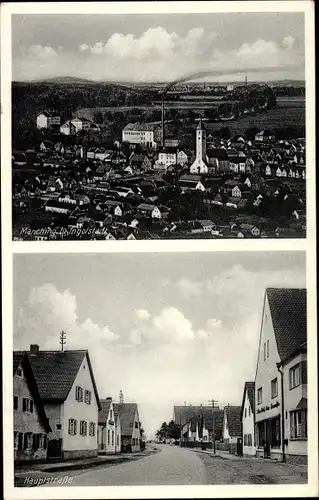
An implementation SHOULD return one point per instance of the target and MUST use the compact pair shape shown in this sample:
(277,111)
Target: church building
(200,164)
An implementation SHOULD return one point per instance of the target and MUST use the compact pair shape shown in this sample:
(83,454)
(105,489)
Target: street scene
(183,127)
(203,381)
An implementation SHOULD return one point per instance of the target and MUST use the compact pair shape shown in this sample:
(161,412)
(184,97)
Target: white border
(9,248)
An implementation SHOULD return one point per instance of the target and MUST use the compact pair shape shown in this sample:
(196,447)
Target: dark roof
(200,125)
(184,414)
(288,308)
(55,372)
(126,412)
(303,404)
(20,358)
(250,390)
(104,412)
(141,126)
(220,154)
(208,421)
(233,420)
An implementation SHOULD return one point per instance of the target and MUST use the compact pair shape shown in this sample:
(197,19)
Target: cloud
(158,54)
(188,288)
(83,47)
(47,312)
(288,41)
(38,51)
(142,314)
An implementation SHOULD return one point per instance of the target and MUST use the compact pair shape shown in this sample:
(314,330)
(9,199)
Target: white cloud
(189,289)
(41,52)
(260,48)
(142,314)
(49,311)
(288,41)
(83,47)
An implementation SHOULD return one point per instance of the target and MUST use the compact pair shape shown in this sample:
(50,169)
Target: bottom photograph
(176,368)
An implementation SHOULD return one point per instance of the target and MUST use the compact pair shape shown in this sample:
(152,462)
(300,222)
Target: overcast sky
(158,47)
(165,328)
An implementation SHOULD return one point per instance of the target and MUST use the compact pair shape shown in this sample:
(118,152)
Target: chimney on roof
(109,399)
(121,397)
(34,349)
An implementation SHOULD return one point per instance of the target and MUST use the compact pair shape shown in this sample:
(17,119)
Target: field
(289,112)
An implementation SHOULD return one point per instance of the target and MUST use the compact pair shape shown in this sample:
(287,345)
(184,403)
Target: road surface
(171,465)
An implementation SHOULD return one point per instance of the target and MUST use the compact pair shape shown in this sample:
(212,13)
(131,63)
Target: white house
(281,376)
(68,391)
(109,429)
(248,419)
(167,157)
(46,119)
(68,128)
(149,210)
(81,124)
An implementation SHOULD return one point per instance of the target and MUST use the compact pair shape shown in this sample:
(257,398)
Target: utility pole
(62,339)
(214,404)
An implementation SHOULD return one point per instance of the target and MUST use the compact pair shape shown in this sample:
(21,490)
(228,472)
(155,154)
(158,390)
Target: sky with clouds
(165,328)
(158,47)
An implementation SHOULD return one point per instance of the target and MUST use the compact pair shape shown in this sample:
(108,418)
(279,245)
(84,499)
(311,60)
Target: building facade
(281,376)
(248,419)
(199,166)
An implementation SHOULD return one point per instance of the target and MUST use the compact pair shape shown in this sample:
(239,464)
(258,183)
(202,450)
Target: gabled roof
(210,424)
(288,309)
(233,420)
(126,412)
(55,372)
(250,391)
(105,408)
(183,414)
(147,127)
(20,358)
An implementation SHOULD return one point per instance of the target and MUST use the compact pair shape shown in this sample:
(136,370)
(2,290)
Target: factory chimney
(163,121)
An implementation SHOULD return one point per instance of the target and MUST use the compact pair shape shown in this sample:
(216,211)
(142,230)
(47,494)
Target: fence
(227,447)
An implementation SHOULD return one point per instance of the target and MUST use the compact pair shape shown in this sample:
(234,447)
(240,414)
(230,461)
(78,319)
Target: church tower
(200,164)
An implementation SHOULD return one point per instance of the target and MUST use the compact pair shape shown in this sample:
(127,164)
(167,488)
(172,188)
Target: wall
(26,422)
(267,370)
(136,433)
(297,446)
(86,445)
(42,121)
(248,427)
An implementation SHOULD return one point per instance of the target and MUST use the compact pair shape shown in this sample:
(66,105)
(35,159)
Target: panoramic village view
(209,149)
(209,419)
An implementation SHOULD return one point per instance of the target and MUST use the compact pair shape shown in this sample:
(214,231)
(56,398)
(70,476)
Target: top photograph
(162,126)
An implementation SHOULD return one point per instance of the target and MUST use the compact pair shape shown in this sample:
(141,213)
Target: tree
(162,432)
(98,117)
(174,430)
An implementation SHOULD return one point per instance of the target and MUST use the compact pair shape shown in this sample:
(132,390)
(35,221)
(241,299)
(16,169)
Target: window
(83,428)
(264,351)
(20,441)
(260,395)
(298,424)
(117,440)
(15,440)
(88,396)
(28,440)
(15,402)
(267,348)
(249,411)
(108,436)
(58,427)
(245,440)
(274,388)
(78,393)
(136,425)
(27,405)
(294,376)
(72,426)
(19,372)
(92,429)
(245,412)
(112,438)
(249,440)
(111,414)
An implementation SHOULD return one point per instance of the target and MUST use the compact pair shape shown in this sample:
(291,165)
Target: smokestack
(246,81)
(163,121)
(121,397)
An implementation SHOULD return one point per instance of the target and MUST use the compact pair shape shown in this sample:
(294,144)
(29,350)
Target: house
(81,124)
(281,376)
(236,192)
(182,158)
(149,210)
(30,422)
(68,392)
(58,207)
(218,159)
(109,428)
(232,430)
(130,426)
(191,183)
(114,207)
(167,157)
(212,424)
(250,229)
(68,128)
(146,134)
(247,417)
(47,119)
(207,225)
